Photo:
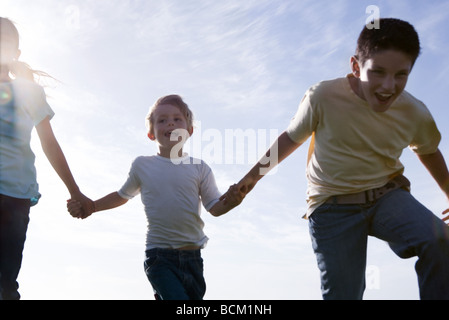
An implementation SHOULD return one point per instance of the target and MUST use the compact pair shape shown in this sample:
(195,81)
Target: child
(171,185)
(360,125)
(23,106)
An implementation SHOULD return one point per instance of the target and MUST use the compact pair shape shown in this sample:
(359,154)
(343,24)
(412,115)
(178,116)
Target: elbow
(215,213)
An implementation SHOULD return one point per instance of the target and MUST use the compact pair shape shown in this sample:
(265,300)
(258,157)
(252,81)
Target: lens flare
(5,95)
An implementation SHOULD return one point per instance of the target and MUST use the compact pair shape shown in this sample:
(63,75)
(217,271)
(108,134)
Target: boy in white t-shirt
(172,186)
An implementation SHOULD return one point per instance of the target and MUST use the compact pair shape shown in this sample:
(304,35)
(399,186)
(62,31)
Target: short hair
(392,34)
(174,100)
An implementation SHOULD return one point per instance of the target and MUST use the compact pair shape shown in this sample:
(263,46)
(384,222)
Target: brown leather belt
(372,195)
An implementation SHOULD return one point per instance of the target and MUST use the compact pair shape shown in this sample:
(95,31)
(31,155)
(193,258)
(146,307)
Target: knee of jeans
(438,242)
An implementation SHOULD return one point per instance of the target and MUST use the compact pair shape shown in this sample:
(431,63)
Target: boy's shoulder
(325,87)
(408,98)
(143,161)
(414,107)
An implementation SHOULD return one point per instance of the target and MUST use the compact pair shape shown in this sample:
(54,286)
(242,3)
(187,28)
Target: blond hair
(174,100)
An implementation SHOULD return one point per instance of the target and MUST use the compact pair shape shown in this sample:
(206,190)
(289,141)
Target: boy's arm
(437,167)
(229,201)
(281,149)
(112,200)
(220,208)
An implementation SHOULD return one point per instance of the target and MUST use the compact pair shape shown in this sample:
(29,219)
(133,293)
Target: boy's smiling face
(382,78)
(169,125)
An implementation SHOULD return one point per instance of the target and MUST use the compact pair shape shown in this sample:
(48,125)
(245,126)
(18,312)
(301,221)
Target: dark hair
(391,34)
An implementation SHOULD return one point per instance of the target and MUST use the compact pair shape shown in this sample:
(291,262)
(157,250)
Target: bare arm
(281,149)
(220,208)
(56,157)
(228,201)
(111,201)
(437,167)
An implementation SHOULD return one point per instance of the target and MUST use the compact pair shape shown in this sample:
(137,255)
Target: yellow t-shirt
(356,148)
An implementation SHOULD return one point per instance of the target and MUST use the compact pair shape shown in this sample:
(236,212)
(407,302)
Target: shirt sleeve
(132,186)
(427,138)
(33,99)
(43,109)
(209,192)
(304,122)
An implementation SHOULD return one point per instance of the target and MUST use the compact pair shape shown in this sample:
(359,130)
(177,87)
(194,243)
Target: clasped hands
(80,206)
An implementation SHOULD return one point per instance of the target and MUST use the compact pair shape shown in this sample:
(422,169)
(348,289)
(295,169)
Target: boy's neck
(354,83)
(167,153)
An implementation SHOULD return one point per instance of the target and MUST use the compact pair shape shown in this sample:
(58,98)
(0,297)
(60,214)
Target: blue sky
(239,65)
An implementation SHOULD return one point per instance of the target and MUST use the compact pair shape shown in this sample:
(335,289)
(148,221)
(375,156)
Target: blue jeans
(14,218)
(340,234)
(176,274)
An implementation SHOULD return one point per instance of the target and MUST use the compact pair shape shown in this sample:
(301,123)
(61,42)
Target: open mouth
(170,134)
(384,98)
(174,135)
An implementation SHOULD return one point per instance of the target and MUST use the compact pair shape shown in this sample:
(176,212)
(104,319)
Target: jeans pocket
(199,263)
(324,208)
(320,213)
(150,262)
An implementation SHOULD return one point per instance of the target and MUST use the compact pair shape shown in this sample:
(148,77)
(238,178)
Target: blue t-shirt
(23,105)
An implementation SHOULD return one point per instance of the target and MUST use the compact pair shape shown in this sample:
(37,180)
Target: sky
(243,67)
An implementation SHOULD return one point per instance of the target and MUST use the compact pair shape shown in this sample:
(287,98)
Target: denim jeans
(340,234)
(176,274)
(14,218)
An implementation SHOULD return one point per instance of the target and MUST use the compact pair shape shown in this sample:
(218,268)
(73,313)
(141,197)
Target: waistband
(372,195)
(173,252)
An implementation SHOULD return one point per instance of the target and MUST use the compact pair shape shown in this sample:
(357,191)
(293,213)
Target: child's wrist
(74,192)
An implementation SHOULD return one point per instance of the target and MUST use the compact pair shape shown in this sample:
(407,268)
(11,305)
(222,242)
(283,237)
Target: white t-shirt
(172,193)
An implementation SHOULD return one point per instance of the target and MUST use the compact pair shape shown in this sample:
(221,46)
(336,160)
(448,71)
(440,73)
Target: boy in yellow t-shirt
(360,125)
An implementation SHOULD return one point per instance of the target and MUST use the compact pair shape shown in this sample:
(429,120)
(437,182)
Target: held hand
(84,207)
(75,208)
(246,184)
(233,197)
(243,187)
(446,219)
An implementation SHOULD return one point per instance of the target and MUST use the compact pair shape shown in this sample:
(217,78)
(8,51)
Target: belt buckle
(372,195)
